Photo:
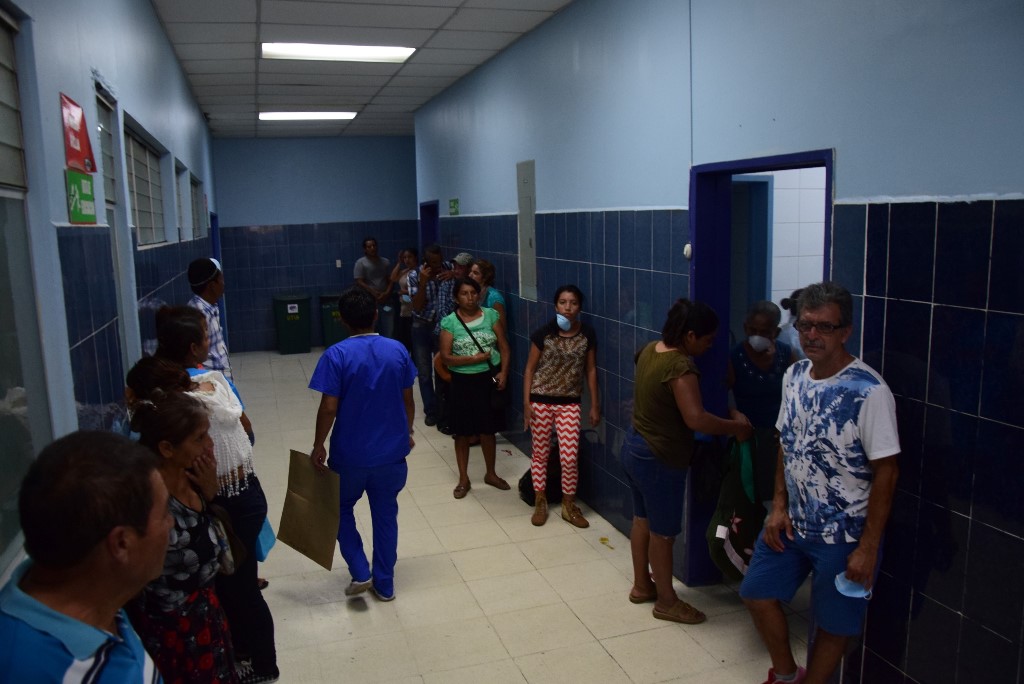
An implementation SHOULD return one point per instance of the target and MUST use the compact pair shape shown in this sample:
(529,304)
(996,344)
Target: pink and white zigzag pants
(565,420)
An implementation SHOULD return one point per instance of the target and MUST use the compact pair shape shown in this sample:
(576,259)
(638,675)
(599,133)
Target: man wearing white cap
(206,278)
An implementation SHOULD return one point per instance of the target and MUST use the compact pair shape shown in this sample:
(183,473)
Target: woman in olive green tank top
(667,410)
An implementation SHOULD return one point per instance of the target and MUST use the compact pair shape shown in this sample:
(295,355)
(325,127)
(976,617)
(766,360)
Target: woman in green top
(667,410)
(472,342)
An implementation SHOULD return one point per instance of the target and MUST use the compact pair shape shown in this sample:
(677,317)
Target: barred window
(145,190)
(200,217)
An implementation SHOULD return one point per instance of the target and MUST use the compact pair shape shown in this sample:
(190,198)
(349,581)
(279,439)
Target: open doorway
(743,252)
(430,224)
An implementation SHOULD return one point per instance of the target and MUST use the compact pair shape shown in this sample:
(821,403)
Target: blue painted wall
(598,96)
(314,180)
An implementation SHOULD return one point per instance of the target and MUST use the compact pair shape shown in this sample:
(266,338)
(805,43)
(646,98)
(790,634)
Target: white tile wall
(798,230)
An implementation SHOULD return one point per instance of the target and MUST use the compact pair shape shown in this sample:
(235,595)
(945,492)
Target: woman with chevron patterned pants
(562,354)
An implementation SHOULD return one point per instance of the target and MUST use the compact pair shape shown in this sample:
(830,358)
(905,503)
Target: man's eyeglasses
(822,328)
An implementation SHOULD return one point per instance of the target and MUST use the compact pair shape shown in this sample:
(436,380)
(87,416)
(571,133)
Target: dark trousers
(252,625)
(424,345)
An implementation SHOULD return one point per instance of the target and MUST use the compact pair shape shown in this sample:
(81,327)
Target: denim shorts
(658,491)
(778,575)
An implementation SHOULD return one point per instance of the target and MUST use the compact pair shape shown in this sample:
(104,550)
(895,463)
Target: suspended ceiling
(218,44)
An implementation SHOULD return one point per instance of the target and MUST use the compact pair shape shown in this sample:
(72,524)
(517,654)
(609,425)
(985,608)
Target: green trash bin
(291,319)
(333,329)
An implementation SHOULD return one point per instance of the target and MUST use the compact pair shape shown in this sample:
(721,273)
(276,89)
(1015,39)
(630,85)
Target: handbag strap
(472,337)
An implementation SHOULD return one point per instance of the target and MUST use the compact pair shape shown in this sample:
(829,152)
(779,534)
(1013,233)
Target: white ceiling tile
(542,5)
(332,91)
(323,80)
(202,80)
(218,66)
(472,40)
(408,91)
(423,81)
(447,56)
(317,102)
(353,14)
(308,68)
(454,71)
(400,100)
(247,100)
(191,51)
(375,108)
(517,21)
(220,109)
(190,32)
(206,11)
(202,91)
(346,35)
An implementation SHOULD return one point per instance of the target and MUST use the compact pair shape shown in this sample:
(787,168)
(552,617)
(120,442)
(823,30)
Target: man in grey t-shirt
(372,273)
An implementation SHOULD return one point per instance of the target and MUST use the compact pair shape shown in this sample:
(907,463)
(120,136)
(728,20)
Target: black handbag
(499,397)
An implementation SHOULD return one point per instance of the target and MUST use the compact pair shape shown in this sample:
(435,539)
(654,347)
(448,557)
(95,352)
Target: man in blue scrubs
(94,513)
(366,381)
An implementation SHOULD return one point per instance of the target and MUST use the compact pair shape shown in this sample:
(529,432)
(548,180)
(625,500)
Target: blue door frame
(710,227)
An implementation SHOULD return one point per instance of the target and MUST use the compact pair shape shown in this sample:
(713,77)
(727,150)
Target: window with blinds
(144,189)
(12,164)
(200,219)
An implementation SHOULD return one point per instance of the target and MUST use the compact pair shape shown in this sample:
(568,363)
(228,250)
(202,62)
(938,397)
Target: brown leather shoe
(571,512)
(540,510)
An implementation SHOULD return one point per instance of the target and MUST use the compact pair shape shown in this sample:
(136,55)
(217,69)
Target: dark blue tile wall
(630,268)
(943,320)
(90,300)
(161,280)
(263,261)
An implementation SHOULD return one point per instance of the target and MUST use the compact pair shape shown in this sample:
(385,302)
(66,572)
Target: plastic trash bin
(333,329)
(292,322)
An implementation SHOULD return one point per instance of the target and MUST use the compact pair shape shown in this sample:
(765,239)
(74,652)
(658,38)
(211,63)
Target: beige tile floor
(482,595)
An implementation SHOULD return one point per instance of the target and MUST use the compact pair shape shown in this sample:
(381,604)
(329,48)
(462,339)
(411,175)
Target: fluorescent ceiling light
(337,53)
(306,116)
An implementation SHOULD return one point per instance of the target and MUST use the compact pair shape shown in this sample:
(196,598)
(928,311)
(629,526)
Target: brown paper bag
(309,521)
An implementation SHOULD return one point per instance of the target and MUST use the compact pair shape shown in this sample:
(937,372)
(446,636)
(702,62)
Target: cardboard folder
(309,521)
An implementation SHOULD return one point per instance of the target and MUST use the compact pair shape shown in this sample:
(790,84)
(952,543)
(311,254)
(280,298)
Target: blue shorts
(658,491)
(778,574)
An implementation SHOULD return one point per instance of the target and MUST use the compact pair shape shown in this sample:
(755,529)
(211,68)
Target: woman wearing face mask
(667,411)
(562,354)
(756,368)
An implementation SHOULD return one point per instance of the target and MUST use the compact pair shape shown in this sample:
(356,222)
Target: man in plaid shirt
(424,285)
(206,278)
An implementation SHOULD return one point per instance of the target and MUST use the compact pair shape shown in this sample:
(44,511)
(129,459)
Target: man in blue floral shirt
(834,485)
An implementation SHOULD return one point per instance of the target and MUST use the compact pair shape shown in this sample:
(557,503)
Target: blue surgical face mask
(847,587)
(563,322)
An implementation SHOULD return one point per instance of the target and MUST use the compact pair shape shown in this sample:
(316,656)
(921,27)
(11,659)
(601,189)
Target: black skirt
(469,401)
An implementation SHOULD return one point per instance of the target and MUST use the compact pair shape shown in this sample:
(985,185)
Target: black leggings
(252,625)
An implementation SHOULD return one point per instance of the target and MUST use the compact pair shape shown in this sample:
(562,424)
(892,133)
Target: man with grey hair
(834,485)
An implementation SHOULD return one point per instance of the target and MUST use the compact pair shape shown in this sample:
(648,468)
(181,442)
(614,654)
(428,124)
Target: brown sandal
(642,598)
(498,483)
(461,491)
(681,612)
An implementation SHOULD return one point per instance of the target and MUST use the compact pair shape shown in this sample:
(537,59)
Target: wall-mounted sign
(81,204)
(453,207)
(77,148)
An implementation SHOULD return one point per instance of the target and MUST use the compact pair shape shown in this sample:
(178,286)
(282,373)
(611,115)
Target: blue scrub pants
(382,484)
